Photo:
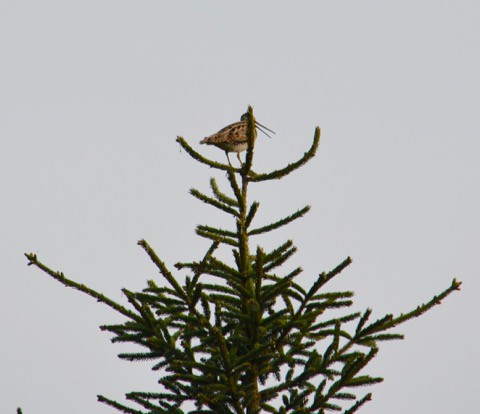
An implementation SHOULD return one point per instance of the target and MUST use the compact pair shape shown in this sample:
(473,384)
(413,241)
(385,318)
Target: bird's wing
(230,132)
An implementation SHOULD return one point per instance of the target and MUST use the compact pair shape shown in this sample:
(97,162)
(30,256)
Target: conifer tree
(241,336)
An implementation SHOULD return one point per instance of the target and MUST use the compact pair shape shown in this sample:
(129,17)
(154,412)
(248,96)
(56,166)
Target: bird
(233,138)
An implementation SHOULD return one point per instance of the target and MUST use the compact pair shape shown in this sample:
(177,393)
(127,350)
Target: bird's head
(258,125)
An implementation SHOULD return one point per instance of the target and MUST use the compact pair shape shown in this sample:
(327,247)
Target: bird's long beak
(260,126)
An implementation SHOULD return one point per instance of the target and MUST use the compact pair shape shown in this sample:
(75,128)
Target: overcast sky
(92,97)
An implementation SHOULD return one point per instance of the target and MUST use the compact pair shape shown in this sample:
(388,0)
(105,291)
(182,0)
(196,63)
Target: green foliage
(242,337)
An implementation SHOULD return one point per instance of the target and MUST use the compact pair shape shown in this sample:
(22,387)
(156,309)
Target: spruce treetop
(242,336)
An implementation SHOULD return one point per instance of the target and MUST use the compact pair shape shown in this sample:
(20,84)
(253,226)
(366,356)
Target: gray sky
(92,96)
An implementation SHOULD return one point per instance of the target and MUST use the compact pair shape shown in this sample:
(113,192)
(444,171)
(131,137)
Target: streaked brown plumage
(233,138)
